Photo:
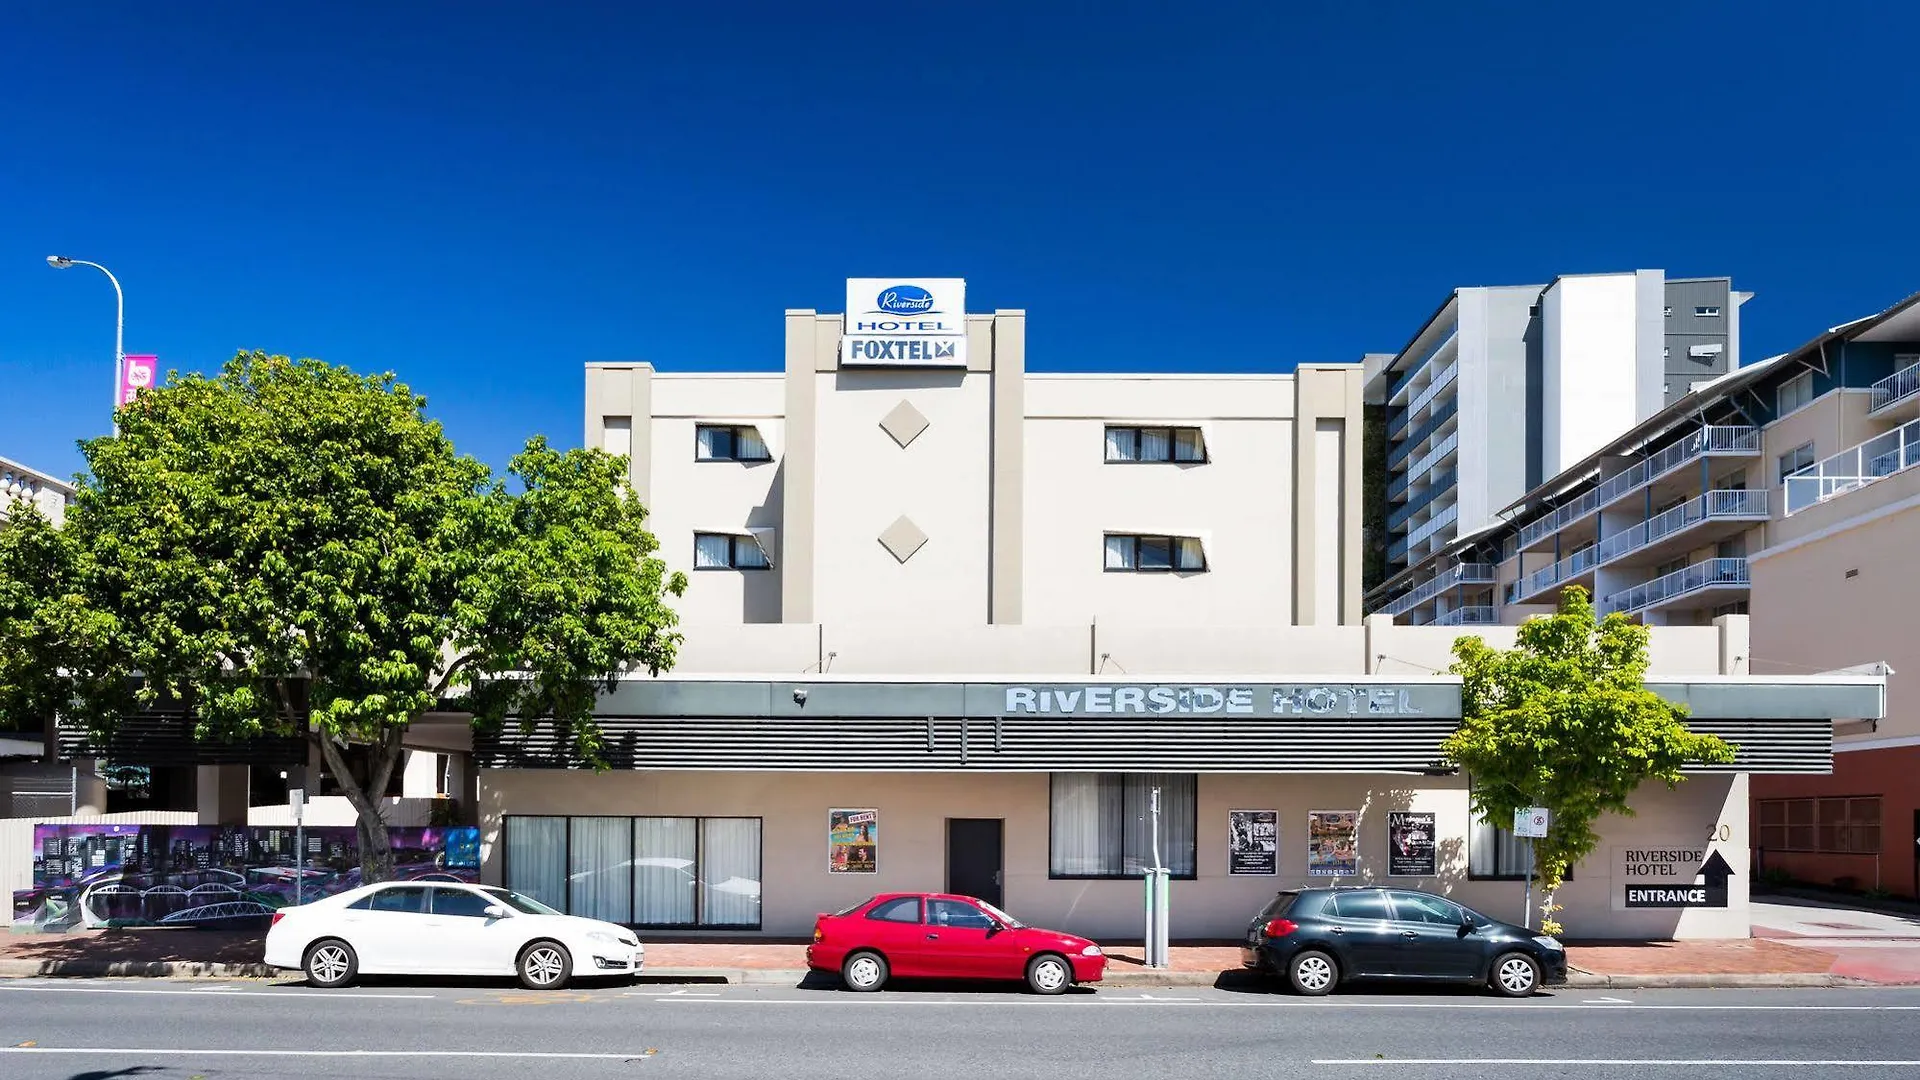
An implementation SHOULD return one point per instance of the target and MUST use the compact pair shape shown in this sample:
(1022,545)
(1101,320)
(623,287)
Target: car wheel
(545,965)
(1515,975)
(1313,973)
(864,972)
(1049,974)
(330,963)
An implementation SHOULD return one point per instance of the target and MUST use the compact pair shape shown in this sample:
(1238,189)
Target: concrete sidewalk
(1754,962)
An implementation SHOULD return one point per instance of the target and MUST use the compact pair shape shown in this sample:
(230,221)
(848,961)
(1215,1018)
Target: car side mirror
(495,911)
(1466,924)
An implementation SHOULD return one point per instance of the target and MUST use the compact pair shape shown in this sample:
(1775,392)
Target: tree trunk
(376,846)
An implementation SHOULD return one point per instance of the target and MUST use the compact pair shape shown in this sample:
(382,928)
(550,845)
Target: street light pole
(61,262)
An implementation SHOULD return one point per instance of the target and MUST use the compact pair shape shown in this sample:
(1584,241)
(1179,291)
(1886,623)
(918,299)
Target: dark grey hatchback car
(1316,939)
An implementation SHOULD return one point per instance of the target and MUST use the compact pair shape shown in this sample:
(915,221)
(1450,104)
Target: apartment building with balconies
(1503,388)
(1661,523)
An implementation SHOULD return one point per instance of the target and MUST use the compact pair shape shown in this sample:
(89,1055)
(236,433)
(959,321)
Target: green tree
(1564,721)
(291,538)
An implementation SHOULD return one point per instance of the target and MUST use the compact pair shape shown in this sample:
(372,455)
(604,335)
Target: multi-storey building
(1787,489)
(1504,388)
(20,484)
(953,624)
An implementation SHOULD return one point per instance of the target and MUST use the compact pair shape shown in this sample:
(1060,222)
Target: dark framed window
(1841,825)
(1100,824)
(1155,444)
(728,551)
(1128,553)
(460,902)
(1495,854)
(729,442)
(657,872)
(405,899)
(1796,459)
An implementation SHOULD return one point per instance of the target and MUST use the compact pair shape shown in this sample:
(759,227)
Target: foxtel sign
(1332,700)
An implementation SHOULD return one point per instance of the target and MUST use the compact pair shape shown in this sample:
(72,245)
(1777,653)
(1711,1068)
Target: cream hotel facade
(952,622)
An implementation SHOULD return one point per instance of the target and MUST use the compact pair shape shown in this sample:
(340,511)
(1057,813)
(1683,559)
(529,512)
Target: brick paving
(1755,956)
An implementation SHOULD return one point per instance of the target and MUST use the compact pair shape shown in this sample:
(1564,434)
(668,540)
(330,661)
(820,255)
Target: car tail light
(1280,927)
(819,933)
(277,916)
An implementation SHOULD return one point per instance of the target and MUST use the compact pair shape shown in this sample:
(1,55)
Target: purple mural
(88,876)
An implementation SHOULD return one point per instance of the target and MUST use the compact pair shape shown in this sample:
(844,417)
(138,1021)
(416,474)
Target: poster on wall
(1253,842)
(1410,850)
(1333,843)
(853,841)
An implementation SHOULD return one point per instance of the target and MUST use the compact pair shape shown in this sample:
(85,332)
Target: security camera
(799,697)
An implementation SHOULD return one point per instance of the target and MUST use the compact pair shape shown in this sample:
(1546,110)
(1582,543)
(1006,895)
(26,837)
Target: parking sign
(1530,822)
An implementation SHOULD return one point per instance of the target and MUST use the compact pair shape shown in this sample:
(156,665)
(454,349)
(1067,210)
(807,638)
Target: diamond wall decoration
(904,423)
(903,538)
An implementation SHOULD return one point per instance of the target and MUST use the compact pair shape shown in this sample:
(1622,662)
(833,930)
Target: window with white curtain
(1156,444)
(537,858)
(641,871)
(728,551)
(1155,553)
(598,850)
(729,442)
(1101,824)
(1495,854)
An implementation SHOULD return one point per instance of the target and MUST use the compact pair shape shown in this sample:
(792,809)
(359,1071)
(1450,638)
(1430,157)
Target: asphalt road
(95,1030)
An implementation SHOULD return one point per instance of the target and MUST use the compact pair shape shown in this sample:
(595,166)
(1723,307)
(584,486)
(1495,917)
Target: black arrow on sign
(1716,872)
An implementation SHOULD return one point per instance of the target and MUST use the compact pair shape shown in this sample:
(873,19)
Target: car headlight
(1549,944)
(604,938)
(1091,950)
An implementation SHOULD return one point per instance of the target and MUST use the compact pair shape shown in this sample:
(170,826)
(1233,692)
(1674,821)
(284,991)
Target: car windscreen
(1276,907)
(845,911)
(1006,920)
(526,905)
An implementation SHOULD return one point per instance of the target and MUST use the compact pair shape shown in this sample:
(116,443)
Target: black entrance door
(973,857)
(1916,853)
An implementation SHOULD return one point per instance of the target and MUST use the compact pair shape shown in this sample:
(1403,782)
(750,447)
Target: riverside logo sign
(1679,876)
(905,322)
(1271,700)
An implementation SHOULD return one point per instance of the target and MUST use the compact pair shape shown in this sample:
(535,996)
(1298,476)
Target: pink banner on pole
(137,373)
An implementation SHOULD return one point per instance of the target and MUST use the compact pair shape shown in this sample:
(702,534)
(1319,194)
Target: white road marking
(1606,1001)
(671,993)
(202,991)
(1744,1061)
(114,1051)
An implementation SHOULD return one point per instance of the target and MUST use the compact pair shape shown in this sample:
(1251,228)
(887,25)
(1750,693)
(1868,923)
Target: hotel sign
(1290,699)
(905,322)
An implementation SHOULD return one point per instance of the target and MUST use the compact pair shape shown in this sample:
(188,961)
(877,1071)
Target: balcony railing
(1440,382)
(1434,456)
(1565,570)
(1404,448)
(1536,531)
(1440,521)
(1436,484)
(1414,369)
(1710,506)
(1883,455)
(1704,442)
(1397,550)
(1469,616)
(1713,573)
(1457,574)
(1896,388)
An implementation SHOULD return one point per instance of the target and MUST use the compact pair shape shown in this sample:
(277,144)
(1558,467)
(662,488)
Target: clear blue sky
(482,196)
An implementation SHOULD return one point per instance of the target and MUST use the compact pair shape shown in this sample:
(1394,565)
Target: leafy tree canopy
(1564,721)
(291,536)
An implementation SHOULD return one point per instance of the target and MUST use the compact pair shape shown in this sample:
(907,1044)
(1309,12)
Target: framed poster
(853,841)
(1333,843)
(1253,842)
(1410,845)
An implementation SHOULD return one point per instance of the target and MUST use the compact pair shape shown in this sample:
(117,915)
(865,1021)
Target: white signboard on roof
(905,322)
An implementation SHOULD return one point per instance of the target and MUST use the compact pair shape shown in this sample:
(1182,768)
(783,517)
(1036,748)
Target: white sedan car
(446,928)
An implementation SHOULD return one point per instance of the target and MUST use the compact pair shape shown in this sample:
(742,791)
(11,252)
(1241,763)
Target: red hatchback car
(941,936)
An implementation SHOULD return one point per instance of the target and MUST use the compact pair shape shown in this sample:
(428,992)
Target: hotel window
(1127,553)
(1793,393)
(1180,444)
(1707,311)
(1836,826)
(728,551)
(640,871)
(729,442)
(1495,854)
(1796,459)
(1101,824)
